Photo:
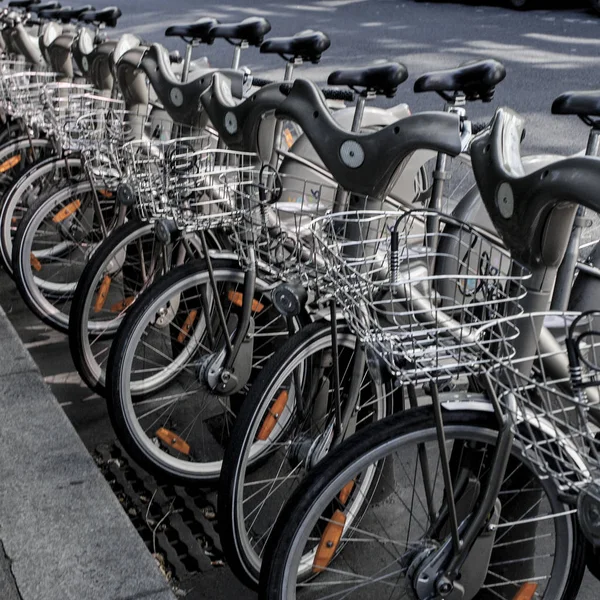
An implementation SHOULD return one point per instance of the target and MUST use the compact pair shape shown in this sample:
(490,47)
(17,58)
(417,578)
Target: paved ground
(546,52)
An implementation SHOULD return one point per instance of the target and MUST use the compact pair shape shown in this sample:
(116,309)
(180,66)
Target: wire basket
(551,392)
(416,286)
(187,180)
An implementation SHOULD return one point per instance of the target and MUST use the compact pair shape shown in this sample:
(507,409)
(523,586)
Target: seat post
(237,54)
(187,61)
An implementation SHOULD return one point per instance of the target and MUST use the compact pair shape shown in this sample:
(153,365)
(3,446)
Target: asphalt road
(545,51)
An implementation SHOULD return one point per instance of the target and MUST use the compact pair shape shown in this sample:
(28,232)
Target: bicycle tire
(14,203)
(125,394)
(374,443)
(309,344)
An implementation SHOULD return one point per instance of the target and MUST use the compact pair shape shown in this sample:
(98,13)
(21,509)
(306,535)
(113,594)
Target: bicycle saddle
(367,163)
(107,16)
(38,8)
(23,3)
(308,45)
(251,30)
(533,213)
(582,104)
(50,13)
(477,80)
(68,14)
(381,79)
(200,30)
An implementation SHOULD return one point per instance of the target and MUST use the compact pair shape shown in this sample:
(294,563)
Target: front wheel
(161,352)
(53,243)
(374,552)
(275,435)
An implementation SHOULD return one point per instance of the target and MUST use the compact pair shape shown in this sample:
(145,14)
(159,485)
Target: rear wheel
(373,550)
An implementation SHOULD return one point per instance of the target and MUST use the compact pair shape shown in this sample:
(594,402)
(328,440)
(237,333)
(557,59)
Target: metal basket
(416,286)
(187,180)
(550,393)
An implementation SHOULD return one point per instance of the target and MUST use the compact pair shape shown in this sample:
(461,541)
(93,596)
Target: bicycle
(472,525)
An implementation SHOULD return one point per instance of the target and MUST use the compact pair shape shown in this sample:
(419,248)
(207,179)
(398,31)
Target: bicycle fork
(227,371)
(466,551)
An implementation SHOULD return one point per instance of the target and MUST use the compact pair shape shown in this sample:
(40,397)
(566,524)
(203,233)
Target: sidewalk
(63,534)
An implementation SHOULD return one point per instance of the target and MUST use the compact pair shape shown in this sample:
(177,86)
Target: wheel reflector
(527,591)
(121,306)
(289,138)
(67,211)
(105,193)
(173,440)
(187,325)
(346,491)
(35,263)
(274,414)
(10,163)
(237,298)
(329,541)
(102,293)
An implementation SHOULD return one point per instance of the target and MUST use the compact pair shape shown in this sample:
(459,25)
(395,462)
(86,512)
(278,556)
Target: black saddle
(477,80)
(68,14)
(38,8)
(251,30)
(23,3)
(107,16)
(582,104)
(382,79)
(200,30)
(307,45)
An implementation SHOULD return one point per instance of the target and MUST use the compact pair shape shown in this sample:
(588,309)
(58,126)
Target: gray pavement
(63,534)
(546,52)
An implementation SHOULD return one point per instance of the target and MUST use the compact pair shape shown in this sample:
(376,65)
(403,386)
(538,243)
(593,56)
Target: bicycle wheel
(267,457)
(374,542)
(40,181)
(125,264)
(180,428)
(53,243)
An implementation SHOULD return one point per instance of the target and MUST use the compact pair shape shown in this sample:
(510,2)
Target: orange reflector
(105,193)
(237,298)
(527,591)
(121,306)
(187,325)
(10,163)
(274,414)
(67,211)
(329,541)
(13,221)
(289,138)
(346,491)
(102,293)
(173,440)
(35,263)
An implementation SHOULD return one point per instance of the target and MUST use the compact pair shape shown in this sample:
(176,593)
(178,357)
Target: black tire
(122,398)
(42,179)
(48,299)
(308,344)
(371,444)
(79,317)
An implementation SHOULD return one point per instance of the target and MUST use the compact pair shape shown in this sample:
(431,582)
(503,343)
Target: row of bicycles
(375,330)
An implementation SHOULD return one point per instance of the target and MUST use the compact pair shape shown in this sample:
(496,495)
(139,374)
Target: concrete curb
(64,533)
